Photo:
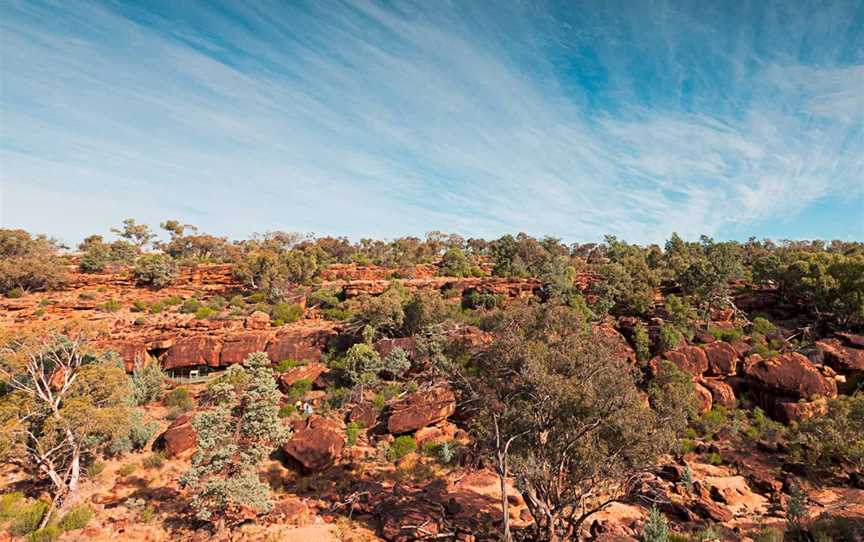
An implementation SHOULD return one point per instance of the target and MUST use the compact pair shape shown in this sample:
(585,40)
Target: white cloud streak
(359,120)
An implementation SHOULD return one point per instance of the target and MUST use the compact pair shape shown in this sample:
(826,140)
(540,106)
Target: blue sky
(574,119)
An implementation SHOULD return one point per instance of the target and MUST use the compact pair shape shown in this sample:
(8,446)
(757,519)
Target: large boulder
(790,375)
(179,437)
(704,397)
(421,409)
(795,411)
(722,358)
(721,392)
(365,414)
(316,445)
(192,351)
(844,358)
(690,359)
(237,346)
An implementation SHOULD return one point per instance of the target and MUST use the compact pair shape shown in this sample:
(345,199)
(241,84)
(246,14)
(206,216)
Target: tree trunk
(505,504)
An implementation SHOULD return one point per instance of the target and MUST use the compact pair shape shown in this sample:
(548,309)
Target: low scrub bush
(49,533)
(285,313)
(76,518)
(10,503)
(27,518)
(352,432)
(179,398)
(190,306)
(726,334)
(401,446)
(298,389)
(112,305)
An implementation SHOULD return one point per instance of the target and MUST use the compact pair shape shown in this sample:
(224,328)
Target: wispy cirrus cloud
(367,119)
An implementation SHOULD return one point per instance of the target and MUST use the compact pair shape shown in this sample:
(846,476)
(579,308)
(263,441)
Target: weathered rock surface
(690,359)
(721,392)
(421,409)
(722,358)
(843,356)
(789,375)
(179,437)
(316,445)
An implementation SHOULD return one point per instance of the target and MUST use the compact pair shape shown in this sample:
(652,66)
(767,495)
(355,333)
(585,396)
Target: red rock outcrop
(421,409)
(722,358)
(690,359)
(194,350)
(791,375)
(317,445)
(721,392)
(236,346)
(843,353)
(179,437)
(704,397)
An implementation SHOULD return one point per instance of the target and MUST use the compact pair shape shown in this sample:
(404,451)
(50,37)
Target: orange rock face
(317,445)
(790,375)
(421,409)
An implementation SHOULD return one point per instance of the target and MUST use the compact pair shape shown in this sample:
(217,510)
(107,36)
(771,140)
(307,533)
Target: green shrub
(337,397)
(762,326)
(727,335)
(670,337)
(157,270)
(112,305)
(217,303)
(148,513)
(76,518)
(49,533)
(140,321)
(15,293)
(10,503)
(709,423)
(139,305)
(715,459)
(96,468)
(173,301)
(396,363)
(362,364)
(204,313)
(286,364)
(352,431)
(190,306)
(127,469)
(180,398)
(641,343)
(28,517)
(769,535)
(148,382)
(476,300)
(337,313)
(400,447)
(258,297)
(237,301)
(286,411)
(154,461)
(656,529)
(286,313)
(764,351)
(298,389)
(325,298)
